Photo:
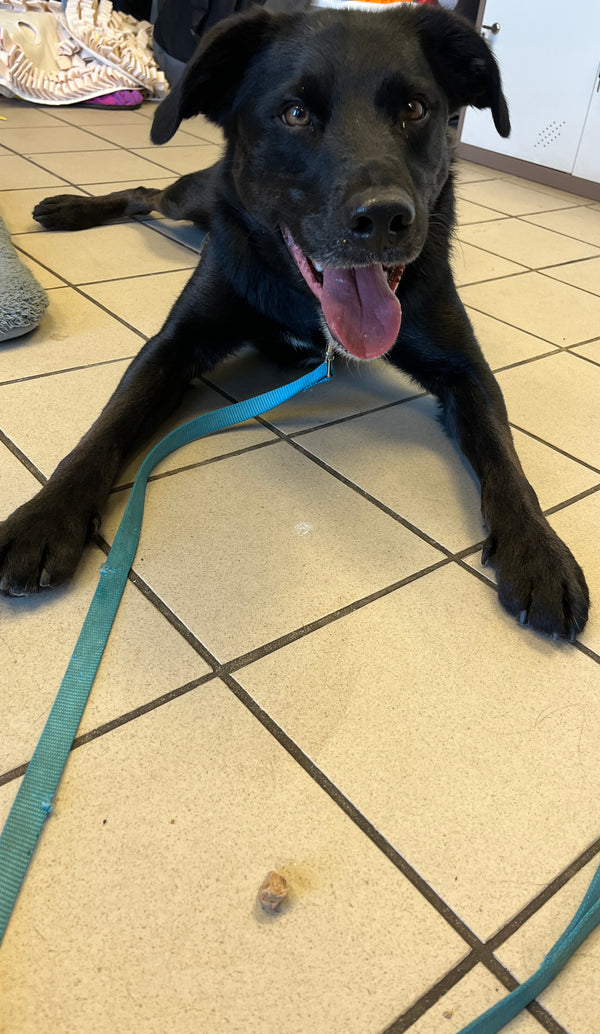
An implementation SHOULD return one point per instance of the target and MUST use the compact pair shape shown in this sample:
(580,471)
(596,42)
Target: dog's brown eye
(295,115)
(414,111)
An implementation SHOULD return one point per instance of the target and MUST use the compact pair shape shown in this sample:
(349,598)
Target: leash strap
(583,922)
(33,802)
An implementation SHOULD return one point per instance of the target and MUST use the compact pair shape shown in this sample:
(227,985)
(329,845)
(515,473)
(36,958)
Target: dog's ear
(214,72)
(463,64)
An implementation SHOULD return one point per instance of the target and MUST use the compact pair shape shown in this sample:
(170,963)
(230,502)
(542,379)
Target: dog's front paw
(65,212)
(41,544)
(539,580)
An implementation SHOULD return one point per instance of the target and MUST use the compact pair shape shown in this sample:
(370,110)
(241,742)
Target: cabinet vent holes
(549,134)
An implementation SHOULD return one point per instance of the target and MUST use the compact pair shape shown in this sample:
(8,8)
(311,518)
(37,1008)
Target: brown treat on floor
(272,891)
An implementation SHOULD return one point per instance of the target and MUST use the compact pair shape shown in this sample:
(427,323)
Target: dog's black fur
(337,148)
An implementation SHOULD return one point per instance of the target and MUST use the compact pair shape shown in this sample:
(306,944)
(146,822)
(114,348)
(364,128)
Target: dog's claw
(523,618)
(573,634)
(487,551)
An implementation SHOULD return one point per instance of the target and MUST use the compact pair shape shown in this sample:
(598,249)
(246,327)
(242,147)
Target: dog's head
(337,142)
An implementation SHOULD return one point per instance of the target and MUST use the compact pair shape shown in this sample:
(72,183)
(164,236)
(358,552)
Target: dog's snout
(381,220)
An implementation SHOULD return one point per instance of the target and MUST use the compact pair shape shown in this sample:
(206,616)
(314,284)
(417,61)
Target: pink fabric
(119,99)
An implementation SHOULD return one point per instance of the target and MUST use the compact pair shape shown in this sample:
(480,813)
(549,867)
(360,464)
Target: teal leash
(34,800)
(583,922)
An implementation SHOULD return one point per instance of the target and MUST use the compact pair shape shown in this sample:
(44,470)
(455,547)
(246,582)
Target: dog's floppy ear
(214,72)
(463,64)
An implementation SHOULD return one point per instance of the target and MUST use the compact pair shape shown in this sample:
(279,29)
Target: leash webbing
(33,802)
(583,922)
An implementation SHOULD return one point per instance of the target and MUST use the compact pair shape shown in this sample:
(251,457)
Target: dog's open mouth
(359,303)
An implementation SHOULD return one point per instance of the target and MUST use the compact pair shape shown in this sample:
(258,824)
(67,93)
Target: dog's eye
(295,115)
(415,111)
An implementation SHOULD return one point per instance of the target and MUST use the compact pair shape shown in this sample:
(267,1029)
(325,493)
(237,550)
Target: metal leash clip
(329,359)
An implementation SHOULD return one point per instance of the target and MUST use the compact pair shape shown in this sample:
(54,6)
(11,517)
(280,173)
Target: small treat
(272,891)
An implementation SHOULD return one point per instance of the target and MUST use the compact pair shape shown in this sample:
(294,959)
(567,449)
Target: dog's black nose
(381,220)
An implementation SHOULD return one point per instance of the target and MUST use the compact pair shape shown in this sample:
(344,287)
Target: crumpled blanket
(59,57)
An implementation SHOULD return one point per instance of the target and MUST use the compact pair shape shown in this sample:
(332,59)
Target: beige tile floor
(309,671)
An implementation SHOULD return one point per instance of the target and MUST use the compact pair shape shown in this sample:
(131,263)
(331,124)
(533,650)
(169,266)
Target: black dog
(329,217)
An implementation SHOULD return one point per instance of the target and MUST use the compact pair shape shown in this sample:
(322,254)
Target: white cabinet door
(587,161)
(548,63)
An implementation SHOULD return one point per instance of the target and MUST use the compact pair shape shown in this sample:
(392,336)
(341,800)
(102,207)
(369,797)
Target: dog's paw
(65,212)
(40,546)
(539,580)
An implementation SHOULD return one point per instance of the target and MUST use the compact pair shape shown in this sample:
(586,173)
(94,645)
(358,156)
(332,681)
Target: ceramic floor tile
(585,274)
(39,140)
(300,522)
(20,114)
(403,458)
(538,305)
(45,278)
(73,332)
(142,301)
(215,961)
(538,401)
(582,223)
(469,172)
(184,159)
(18,173)
(467,1000)
(131,136)
(109,165)
(159,182)
(519,241)
(106,252)
(569,200)
(17,206)
(182,232)
(503,344)
(80,115)
(415,707)
(201,127)
(512,198)
(355,388)
(578,524)
(30,412)
(573,996)
(471,265)
(467,212)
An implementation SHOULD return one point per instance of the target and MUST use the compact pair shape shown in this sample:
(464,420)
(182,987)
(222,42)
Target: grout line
(244,660)
(67,369)
(556,280)
(555,448)
(143,709)
(20,455)
(128,485)
(166,612)
(574,499)
(586,358)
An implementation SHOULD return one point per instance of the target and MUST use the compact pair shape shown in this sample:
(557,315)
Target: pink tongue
(361,310)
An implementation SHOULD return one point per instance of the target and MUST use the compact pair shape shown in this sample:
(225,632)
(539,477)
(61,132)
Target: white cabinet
(550,65)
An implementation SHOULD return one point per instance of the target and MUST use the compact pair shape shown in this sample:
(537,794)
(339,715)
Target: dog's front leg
(42,541)
(539,580)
